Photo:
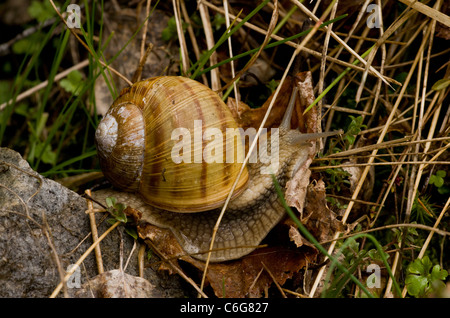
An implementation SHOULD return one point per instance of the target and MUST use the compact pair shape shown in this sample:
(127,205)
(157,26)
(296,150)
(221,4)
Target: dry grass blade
(337,38)
(430,12)
(98,252)
(204,13)
(305,49)
(400,98)
(181,39)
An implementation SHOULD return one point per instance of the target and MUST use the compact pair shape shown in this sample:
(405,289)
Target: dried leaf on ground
(248,278)
(321,221)
(165,241)
(297,238)
(296,187)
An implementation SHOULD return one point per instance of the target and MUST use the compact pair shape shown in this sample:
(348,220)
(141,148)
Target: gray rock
(39,217)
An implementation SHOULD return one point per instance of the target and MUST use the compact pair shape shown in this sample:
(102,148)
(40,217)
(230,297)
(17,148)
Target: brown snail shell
(134,142)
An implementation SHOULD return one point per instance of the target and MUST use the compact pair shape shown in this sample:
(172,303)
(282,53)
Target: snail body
(134,146)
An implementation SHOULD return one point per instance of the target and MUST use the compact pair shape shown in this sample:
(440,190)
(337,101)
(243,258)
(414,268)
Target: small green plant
(170,32)
(354,128)
(116,209)
(336,203)
(41,10)
(72,83)
(438,178)
(338,177)
(438,181)
(423,278)
(355,259)
(441,84)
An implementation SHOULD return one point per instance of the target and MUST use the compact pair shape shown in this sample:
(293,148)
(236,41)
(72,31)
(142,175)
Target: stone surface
(39,217)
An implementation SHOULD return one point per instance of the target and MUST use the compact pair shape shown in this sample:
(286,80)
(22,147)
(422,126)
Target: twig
(181,39)
(141,258)
(98,251)
(204,14)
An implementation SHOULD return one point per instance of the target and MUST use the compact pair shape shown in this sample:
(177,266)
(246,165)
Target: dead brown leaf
(165,241)
(247,278)
(321,221)
(252,117)
(135,214)
(297,238)
(296,187)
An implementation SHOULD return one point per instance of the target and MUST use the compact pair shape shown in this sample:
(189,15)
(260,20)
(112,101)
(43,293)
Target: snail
(150,149)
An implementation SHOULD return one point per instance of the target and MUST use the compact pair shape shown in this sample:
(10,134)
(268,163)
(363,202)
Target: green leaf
(170,32)
(5,91)
(416,285)
(41,10)
(22,109)
(218,21)
(426,281)
(28,45)
(438,178)
(438,274)
(116,209)
(439,182)
(375,255)
(427,265)
(441,173)
(131,232)
(48,156)
(441,84)
(416,267)
(111,201)
(73,82)
(444,190)
(118,214)
(272,85)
